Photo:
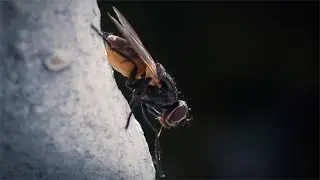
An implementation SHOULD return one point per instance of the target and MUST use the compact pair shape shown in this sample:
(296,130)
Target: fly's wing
(126,25)
(128,33)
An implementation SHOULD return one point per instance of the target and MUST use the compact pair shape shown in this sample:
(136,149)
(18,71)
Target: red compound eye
(176,113)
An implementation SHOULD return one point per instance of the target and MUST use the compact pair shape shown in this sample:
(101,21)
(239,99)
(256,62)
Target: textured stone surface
(62,115)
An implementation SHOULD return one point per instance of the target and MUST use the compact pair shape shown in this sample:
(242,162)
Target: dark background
(249,72)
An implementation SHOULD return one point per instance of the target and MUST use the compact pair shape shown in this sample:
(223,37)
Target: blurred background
(249,71)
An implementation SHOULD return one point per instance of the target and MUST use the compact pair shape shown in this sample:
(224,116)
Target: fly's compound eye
(176,113)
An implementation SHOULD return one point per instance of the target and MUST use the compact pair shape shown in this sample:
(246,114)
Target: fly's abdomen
(122,57)
(121,46)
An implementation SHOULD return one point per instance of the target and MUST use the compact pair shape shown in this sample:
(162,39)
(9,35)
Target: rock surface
(62,115)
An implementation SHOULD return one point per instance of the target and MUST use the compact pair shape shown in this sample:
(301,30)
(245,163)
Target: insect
(153,89)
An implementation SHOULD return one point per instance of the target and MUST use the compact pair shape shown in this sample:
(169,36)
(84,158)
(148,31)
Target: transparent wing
(130,35)
(126,25)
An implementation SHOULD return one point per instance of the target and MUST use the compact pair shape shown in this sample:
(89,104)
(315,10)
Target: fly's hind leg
(131,104)
(137,93)
(130,81)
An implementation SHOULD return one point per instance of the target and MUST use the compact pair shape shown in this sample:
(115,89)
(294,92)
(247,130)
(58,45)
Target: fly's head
(175,114)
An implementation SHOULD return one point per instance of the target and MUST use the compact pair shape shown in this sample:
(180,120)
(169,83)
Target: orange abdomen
(122,58)
(124,66)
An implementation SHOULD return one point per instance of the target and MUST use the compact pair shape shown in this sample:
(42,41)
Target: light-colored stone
(62,115)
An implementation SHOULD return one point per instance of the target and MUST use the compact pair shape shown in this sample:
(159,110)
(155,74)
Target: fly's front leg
(152,111)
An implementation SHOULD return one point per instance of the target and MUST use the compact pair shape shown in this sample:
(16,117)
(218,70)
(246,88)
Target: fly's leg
(157,154)
(130,81)
(146,118)
(129,85)
(135,97)
(153,111)
(131,104)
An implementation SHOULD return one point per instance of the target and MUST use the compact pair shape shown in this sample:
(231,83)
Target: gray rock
(62,115)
